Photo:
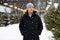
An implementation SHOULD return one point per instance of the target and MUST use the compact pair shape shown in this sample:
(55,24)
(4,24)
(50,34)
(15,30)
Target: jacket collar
(33,14)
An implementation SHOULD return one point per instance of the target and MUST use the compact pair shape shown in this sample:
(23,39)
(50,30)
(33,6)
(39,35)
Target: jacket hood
(34,12)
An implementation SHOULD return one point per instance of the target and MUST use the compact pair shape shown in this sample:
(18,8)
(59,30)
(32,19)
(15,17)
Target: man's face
(30,9)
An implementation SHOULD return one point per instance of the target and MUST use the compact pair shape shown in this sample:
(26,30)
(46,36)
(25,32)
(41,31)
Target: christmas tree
(9,18)
(52,20)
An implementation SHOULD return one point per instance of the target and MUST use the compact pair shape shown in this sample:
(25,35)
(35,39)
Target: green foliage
(9,18)
(52,20)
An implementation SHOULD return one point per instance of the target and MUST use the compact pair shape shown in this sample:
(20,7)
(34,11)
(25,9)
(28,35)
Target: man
(30,24)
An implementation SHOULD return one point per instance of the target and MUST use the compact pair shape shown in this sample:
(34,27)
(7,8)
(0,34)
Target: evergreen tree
(52,20)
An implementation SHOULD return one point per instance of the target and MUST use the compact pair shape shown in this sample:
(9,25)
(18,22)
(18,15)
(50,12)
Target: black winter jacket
(31,27)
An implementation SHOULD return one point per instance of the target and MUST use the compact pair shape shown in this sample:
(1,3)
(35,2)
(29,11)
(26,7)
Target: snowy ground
(11,32)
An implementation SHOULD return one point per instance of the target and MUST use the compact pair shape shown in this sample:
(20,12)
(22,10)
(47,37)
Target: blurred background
(12,9)
(11,12)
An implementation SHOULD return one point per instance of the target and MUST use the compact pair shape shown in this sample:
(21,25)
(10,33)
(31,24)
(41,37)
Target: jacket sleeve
(21,26)
(40,26)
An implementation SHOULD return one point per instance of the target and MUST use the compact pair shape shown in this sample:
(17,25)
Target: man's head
(30,7)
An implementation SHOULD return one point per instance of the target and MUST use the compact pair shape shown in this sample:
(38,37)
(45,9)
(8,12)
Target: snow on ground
(11,32)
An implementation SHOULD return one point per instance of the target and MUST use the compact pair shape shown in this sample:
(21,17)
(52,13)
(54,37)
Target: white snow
(12,32)
(5,9)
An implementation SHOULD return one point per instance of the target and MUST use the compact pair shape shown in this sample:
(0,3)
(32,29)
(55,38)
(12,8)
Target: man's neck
(30,14)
